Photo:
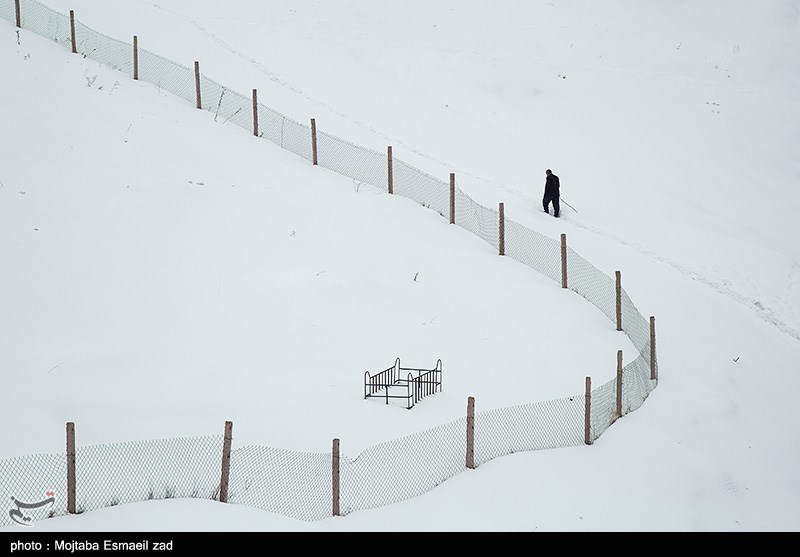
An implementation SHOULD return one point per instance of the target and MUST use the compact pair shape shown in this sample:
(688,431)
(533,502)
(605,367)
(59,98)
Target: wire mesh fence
(43,21)
(297,484)
(284,132)
(167,75)
(289,483)
(529,427)
(603,407)
(402,468)
(636,384)
(104,49)
(7,11)
(108,475)
(480,220)
(361,164)
(636,327)
(597,287)
(533,249)
(421,187)
(27,482)
(226,104)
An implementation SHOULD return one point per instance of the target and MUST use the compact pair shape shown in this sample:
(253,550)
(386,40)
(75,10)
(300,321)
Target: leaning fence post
(313,141)
(135,57)
(389,168)
(452,198)
(335,478)
(17,12)
(619,383)
(226,463)
(255,113)
(72,31)
(619,300)
(471,432)
(502,239)
(653,371)
(71,467)
(587,411)
(197,83)
(563,260)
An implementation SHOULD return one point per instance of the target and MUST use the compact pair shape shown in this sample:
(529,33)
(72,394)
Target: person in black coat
(551,193)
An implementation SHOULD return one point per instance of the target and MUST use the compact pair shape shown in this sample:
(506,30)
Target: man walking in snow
(551,193)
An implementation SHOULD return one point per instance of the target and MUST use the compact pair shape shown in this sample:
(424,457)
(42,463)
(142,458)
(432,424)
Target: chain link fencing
(604,403)
(40,19)
(597,287)
(104,49)
(421,187)
(119,473)
(284,132)
(167,75)
(7,11)
(533,249)
(529,427)
(403,468)
(480,220)
(226,104)
(29,480)
(363,165)
(290,483)
(297,484)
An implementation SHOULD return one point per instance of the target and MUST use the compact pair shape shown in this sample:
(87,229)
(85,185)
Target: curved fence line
(299,484)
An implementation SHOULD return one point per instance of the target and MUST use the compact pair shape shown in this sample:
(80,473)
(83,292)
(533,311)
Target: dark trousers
(556,206)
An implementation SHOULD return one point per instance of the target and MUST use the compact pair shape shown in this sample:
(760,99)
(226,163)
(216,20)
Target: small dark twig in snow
(219,104)
(54,367)
(238,110)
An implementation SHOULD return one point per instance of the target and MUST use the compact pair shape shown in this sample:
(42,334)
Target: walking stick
(568,205)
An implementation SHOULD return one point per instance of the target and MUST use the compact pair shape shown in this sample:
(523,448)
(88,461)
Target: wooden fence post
(226,463)
(71,467)
(452,198)
(335,478)
(18,14)
(587,411)
(135,57)
(197,83)
(653,371)
(619,383)
(563,261)
(471,432)
(72,31)
(255,113)
(389,168)
(313,141)
(502,239)
(619,300)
